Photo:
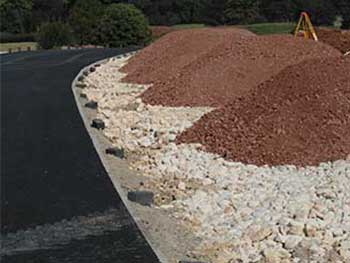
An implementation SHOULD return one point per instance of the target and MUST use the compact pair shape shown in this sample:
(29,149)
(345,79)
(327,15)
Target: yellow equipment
(305,27)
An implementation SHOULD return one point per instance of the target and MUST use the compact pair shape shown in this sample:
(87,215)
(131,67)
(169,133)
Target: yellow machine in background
(305,27)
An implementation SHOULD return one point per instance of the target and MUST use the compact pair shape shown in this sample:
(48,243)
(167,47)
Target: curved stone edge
(102,156)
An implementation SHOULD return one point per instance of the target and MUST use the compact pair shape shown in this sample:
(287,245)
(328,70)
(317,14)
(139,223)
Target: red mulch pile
(339,39)
(211,67)
(165,57)
(301,116)
(159,31)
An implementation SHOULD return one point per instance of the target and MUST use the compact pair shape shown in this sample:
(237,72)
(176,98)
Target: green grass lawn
(187,26)
(271,28)
(15,46)
(259,29)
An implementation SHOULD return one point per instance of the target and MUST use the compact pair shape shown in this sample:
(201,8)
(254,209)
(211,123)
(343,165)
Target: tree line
(20,16)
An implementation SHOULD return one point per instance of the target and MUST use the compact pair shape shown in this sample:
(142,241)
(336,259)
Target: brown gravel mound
(339,39)
(301,117)
(165,57)
(219,65)
(159,31)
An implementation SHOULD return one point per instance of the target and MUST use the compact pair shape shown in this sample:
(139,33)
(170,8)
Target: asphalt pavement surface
(57,201)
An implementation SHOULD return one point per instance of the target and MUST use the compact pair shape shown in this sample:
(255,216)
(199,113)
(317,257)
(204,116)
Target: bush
(84,19)
(123,25)
(242,11)
(10,38)
(346,24)
(54,34)
(15,16)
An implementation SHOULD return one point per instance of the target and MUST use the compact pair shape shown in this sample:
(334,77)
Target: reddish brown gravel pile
(301,117)
(339,39)
(212,67)
(165,57)
(159,31)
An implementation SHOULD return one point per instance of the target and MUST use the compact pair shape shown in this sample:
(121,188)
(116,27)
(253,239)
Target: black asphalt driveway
(57,201)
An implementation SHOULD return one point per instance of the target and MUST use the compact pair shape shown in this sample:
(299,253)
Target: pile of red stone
(340,39)
(301,116)
(279,100)
(159,31)
(212,67)
(165,57)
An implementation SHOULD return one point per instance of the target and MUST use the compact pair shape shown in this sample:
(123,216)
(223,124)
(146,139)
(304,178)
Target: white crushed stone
(243,213)
(131,124)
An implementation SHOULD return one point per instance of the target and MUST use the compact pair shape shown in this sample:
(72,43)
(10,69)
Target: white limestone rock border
(242,213)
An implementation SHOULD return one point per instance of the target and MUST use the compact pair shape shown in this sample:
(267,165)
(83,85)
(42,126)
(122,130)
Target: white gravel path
(243,213)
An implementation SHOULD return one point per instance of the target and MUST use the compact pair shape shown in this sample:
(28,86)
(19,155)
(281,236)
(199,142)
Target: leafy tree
(277,10)
(322,12)
(69,3)
(45,11)
(343,9)
(188,10)
(123,25)
(55,34)
(346,23)
(15,15)
(213,12)
(242,11)
(84,18)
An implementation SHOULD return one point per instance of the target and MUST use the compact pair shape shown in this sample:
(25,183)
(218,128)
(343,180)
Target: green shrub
(11,38)
(123,25)
(15,16)
(84,19)
(54,34)
(346,24)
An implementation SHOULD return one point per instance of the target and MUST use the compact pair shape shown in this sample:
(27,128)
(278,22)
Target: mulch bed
(301,116)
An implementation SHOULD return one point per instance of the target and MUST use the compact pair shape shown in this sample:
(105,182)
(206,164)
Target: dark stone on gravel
(81,78)
(91,105)
(86,73)
(83,95)
(118,152)
(98,124)
(81,85)
(189,261)
(92,69)
(144,198)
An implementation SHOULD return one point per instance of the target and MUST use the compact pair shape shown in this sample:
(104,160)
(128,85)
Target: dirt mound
(339,39)
(165,57)
(216,76)
(301,116)
(159,31)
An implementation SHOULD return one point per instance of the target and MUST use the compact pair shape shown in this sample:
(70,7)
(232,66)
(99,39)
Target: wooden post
(10,50)
(28,49)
